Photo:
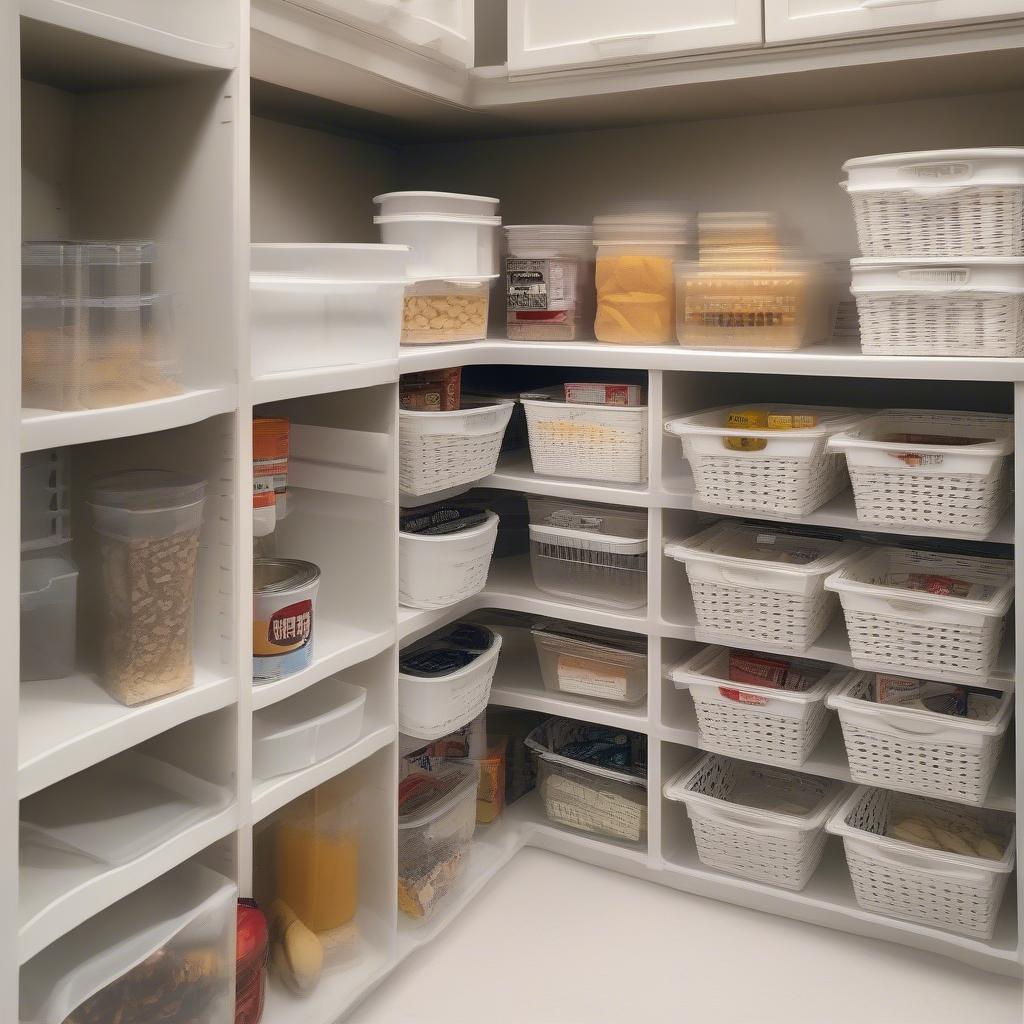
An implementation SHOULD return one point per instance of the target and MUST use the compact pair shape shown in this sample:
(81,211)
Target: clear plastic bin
(148,523)
(444,245)
(45,512)
(591,662)
(438,311)
(436,822)
(162,953)
(49,588)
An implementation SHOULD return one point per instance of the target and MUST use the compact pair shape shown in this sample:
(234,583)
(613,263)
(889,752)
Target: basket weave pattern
(434,462)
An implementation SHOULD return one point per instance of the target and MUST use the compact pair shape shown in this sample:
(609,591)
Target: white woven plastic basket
(435,571)
(919,751)
(590,442)
(904,476)
(792,475)
(781,848)
(441,450)
(955,892)
(940,307)
(893,628)
(942,203)
(758,723)
(742,598)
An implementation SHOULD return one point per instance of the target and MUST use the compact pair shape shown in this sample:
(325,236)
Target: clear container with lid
(744,236)
(633,275)
(148,523)
(549,282)
(438,311)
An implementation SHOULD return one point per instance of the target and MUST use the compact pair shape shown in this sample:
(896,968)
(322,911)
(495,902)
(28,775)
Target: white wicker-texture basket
(955,892)
(918,751)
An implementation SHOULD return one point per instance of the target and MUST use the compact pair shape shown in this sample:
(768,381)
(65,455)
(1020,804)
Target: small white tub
(439,204)
(444,246)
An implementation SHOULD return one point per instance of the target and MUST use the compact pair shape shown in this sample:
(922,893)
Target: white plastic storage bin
(756,585)
(587,661)
(588,442)
(784,473)
(45,499)
(593,553)
(435,698)
(49,588)
(441,450)
(588,797)
(441,204)
(762,823)
(946,203)
(777,721)
(436,822)
(923,470)
(437,312)
(915,750)
(168,942)
(439,570)
(922,613)
(970,306)
(309,727)
(318,305)
(928,884)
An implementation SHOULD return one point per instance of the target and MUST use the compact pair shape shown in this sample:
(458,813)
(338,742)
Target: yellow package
(791,421)
(635,300)
(746,419)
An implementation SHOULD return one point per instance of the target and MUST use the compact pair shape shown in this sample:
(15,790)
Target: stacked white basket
(942,236)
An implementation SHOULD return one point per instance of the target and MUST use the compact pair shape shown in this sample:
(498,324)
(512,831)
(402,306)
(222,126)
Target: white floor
(552,941)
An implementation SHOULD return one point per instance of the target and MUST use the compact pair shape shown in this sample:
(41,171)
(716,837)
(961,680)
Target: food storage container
(450,235)
(917,470)
(306,728)
(635,293)
(779,304)
(436,822)
(593,553)
(440,450)
(916,750)
(283,612)
(966,306)
(756,821)
(252,945)
(45,499)
(588,661)
(760,708)
(444,680)
(740,237)
(490,791)
(931,885)
(924,613)
(164,952)
(782,473)
(91,336)
(945,203)
(271,439)
(586,441)
(757,585)
(549,282)
(48,595)
(148,522)
(441,569)
(435,312)
(315,305)
(592,778)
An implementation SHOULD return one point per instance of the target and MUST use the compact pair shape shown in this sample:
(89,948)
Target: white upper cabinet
(787,20)
(545,35)
(442,29)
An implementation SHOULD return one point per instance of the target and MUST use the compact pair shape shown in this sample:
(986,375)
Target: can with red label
(283,605)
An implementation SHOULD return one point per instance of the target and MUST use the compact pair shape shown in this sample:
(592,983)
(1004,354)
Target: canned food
(283,601)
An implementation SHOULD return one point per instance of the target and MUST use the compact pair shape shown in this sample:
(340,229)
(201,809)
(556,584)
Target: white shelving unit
(131,118)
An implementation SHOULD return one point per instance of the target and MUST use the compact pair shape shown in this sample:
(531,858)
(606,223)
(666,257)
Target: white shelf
(65,725)
(44,428)
(276,387)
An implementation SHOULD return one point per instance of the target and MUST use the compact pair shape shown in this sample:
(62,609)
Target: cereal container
(437,311)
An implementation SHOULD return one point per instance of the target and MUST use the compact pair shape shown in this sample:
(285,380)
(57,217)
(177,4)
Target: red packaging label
(944,586)
(748,668)
(742,698)
(291,626)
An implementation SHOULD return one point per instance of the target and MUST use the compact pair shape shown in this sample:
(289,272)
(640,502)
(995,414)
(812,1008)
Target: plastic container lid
(39,574)
(280,575)
(306,710)
(644,227)
(147,490)
(922,156)
(423,797)
(437,218)
(129,252)
(347,261)
(384,196)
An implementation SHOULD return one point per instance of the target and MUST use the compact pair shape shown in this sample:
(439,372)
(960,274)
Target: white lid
(570,232)
(644,226)
(925,155)
(306,710)
(885,262)
(433,195)
(147,490)
(437,218)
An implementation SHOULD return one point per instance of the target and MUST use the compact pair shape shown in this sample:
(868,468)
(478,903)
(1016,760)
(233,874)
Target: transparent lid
(425,796)
(147,490)
(94,253)
(434,195)
(644,224)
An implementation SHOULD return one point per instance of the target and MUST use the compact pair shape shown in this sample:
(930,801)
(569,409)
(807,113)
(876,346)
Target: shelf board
(270,794)
(44,428)
(57,890)
(276,387)
(65,725)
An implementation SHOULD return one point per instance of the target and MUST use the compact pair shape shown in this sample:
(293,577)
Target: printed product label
(283,643)
(540,286)
(740,697)
(938,172)
(915,459)
(590,678)
(263,495)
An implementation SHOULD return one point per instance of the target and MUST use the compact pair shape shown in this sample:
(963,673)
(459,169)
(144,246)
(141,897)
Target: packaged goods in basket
(924,860)
(605,394)
(283,614)
(588,661)
(251,951)
(592,778)
(431,391)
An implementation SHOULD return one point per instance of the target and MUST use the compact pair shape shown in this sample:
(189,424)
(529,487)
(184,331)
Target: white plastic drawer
(786,20)
(552,34)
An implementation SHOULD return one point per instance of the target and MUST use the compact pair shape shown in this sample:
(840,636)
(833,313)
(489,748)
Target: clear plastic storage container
(148,523)
(45,499)
(49,588)
(439,311)
(316,305)
(588,661)
(162,953)
(90,332)
(593,553)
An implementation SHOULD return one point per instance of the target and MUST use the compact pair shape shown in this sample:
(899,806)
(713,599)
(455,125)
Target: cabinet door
(545,35)
(786,20)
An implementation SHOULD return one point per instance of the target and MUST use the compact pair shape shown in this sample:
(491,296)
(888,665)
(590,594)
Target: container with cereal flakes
(439,310)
